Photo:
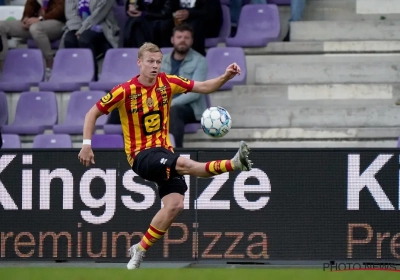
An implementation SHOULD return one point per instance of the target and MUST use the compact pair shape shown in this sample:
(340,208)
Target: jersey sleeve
(179,84)
(111,100)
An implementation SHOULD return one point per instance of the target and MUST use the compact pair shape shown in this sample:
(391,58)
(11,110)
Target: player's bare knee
(184,165)
(174,207)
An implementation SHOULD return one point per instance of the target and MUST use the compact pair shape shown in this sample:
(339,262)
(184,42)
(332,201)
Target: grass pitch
(34,273)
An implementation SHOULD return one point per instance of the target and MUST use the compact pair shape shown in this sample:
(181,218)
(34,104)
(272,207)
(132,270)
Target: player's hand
(181,15)
(25,24)
(232,70)
(86,155)
(31,20)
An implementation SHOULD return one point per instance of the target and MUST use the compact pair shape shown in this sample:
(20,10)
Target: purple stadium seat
(23,68)
(32,44)
(36,111)
(194,127)
(112,75)
(72,69)
(11,141)
(100,141)
(172,139)
(112,129)
(258,25)
(225,29)
(225,2)
(3,109)
(279,2)
(48,141)
(166,50)
(79,104)
(220,58)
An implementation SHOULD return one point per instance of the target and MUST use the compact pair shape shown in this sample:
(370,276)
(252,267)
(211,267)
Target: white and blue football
(216,122)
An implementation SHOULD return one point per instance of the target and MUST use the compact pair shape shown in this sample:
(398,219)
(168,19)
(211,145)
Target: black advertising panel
(52,207)
(302,205)
(296,204)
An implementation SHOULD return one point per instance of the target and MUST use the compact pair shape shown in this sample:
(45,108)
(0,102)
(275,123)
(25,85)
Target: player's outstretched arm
(212,85)
(86,155)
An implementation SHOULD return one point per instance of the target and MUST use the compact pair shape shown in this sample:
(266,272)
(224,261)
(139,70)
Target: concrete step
(339,10)
(328,95)
(294,144)
(351,10)
(302,134)
(324,69)
(367,30)
(373,7)
(315,116)
(321,47)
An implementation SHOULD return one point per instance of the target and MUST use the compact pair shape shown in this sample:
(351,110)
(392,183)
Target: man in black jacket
(205,17)
(148,21)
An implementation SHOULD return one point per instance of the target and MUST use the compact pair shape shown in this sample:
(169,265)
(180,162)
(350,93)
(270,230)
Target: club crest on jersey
(150,102)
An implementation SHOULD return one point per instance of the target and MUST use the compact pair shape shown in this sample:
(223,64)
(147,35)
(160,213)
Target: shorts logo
(163,160)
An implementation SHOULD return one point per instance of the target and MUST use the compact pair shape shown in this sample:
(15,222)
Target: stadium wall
(295,205)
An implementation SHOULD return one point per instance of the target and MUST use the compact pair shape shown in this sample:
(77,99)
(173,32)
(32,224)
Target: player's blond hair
(148,47)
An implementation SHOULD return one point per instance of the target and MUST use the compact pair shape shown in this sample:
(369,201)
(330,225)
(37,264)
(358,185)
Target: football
(216,122)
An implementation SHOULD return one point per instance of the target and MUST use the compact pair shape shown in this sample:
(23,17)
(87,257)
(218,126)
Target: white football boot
(241,159)
(136,257)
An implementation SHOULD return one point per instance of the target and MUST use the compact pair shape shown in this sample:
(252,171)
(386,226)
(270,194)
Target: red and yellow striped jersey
(144,111)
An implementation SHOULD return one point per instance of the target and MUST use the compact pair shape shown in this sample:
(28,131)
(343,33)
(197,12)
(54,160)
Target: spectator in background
(205,17)
(42,20)
(147,21)
(187,63)
(92,25)
(297,8)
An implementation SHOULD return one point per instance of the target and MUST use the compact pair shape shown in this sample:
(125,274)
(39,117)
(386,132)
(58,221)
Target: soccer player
(144,103)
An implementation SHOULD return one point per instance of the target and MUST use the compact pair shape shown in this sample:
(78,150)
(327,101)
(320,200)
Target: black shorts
(158,165)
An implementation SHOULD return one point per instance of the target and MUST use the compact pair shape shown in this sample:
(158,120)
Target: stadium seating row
(31,118)
(12,141)
(258,24)
(61,141)
(74,69)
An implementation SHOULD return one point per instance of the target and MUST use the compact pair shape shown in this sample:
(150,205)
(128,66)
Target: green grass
(22,273)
